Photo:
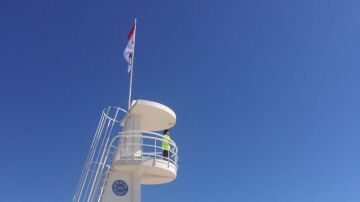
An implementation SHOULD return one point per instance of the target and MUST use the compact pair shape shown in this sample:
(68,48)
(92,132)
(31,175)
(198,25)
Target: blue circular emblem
(120,187)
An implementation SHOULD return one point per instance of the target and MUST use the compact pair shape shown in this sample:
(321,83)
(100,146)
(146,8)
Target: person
(166,145)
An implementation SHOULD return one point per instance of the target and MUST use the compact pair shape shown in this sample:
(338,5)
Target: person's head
(166,131)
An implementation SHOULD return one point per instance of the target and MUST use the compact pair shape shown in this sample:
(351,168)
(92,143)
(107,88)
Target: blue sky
(266,94)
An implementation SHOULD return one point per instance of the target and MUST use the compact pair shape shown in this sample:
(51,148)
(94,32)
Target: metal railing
(150,147)
(96,166)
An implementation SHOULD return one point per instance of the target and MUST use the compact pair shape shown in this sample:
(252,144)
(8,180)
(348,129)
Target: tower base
(122,187)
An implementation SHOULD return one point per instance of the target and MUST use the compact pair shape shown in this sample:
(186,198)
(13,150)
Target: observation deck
(140,150)
(150,164)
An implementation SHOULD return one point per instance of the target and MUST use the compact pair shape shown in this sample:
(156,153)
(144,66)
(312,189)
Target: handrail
(95,164)
(146,132)
(112,119)
(148,150)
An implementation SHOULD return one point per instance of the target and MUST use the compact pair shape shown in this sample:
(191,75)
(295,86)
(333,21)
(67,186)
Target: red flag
(131,31)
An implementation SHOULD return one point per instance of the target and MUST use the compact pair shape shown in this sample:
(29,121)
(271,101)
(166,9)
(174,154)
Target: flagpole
(132,68)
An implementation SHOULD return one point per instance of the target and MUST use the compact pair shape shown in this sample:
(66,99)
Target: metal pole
(132,67)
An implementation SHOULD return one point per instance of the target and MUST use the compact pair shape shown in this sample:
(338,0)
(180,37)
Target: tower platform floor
(151,171)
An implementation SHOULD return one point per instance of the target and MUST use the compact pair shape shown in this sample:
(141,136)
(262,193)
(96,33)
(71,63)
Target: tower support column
(122,187)
(136,187)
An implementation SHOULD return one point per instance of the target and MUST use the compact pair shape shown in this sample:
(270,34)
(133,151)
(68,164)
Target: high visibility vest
(165,142)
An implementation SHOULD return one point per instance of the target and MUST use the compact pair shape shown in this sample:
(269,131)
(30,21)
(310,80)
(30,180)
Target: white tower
(120,162)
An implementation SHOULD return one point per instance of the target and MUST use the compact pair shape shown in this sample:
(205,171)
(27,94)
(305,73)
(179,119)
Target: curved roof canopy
(152,116)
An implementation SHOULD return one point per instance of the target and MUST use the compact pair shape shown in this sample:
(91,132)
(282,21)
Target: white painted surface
(130,147)
(130,163)
(153,116)
(151,171)
(133,183)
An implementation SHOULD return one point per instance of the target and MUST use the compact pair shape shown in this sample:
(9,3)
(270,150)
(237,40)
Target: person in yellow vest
(166,145)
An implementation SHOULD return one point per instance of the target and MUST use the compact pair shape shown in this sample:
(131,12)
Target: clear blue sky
(266,94)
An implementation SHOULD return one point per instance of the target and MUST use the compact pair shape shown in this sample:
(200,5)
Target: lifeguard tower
(126,151)
(120,162)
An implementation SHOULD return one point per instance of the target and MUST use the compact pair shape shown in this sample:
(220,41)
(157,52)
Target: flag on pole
(129,50)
